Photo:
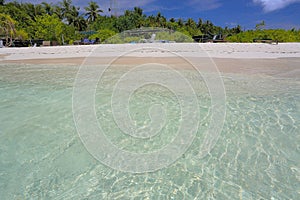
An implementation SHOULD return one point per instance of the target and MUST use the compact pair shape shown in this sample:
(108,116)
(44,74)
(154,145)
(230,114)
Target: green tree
(65,10)
(207,27)
(191,27)
(191,23)
(66,6)
(150,21)
(79,23)
(58,11)
(260,25)
(131,20)
(237,29)
(7,28)
(48,28)
(138,11)
(124,23)
(172,25)
(199,24)
(22,34)
(16,4)
(104,22)
(172,20)
(75,19)
(33,10)
(103,35)
(92,11)
(180,22)
(48,8)
(138,17)
(18,13)
(161,21)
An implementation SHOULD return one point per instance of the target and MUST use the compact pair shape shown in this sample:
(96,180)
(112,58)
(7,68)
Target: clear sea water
(257,154)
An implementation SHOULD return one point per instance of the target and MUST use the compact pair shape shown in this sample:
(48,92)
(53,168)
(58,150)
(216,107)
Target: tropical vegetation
(64,22)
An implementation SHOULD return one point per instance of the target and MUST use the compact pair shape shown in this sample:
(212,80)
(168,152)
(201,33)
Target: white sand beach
(220,50)
(253,58)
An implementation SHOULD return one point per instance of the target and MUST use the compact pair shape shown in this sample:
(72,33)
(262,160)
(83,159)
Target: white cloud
(271,5)
(129,4)
(201,5)
(158,8)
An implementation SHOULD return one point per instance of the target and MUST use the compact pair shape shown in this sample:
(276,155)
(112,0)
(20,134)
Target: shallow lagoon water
(42,157)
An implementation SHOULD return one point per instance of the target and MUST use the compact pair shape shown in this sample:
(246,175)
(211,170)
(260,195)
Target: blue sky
(276,13)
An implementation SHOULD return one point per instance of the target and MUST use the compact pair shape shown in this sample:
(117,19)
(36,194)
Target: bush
(21,34)
(103,35)
(173,36)
(279,35)
(48,28)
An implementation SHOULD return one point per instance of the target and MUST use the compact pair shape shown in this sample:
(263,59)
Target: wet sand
(280,67)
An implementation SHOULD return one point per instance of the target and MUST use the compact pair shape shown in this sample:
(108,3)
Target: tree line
(65,23)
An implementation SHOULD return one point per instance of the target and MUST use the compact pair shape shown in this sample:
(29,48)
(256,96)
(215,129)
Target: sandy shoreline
(222,50)
(228,57)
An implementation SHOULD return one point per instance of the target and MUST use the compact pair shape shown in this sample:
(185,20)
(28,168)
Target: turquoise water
(42,156)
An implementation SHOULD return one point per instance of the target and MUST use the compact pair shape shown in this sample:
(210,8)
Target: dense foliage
(65,23)
(278,35)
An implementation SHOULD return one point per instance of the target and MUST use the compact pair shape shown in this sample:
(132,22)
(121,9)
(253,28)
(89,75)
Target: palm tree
(160,20)
(33,10)
(58,12)
(151,21)
(79,23)
(190,23)
(30,10)
(72,14)
(66,7)
(138,11)
(48,8)
(207,27)
(39,10)
(237,29)
(200,23)
(7,28)
(76,20)
(180,22)
(92,11)
(172,20)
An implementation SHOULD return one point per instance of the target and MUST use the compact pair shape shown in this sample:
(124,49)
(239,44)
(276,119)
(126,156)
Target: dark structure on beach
(209,38)
(22,43)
